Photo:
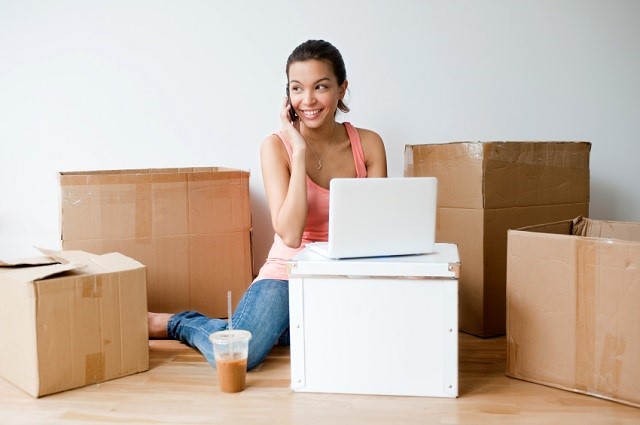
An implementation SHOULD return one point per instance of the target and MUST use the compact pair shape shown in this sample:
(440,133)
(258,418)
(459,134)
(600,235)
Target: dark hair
(324,51)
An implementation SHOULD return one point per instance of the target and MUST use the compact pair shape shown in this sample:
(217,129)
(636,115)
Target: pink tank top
(317,227)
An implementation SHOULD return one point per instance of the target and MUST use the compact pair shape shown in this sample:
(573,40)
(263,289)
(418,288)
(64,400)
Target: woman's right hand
(292,129)
(285,180)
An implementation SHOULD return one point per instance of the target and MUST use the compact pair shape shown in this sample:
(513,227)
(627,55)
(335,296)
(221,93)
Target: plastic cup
(231,348)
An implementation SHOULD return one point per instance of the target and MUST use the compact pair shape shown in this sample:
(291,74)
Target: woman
(297,165)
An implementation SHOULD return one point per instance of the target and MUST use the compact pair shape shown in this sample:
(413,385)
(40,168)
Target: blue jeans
(263,311)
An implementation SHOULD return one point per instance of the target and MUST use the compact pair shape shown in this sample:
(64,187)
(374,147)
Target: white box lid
(443,262)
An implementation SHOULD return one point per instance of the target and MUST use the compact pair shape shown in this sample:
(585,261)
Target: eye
(321,87)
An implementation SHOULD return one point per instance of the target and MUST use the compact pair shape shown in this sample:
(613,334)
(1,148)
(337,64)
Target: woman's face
(314,91)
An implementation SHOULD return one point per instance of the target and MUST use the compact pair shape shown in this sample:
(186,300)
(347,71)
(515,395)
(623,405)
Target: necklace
(320,158)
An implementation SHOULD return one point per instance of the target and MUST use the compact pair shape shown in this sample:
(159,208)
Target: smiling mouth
(311,114)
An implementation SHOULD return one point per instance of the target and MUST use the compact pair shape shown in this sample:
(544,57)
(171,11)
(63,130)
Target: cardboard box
(72,319)
(402,341)
(191,228)
(484,189)
(573,297)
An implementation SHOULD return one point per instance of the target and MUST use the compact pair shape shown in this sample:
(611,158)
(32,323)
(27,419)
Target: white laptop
(374,217)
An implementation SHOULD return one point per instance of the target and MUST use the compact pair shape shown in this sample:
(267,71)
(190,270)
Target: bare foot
(158,324)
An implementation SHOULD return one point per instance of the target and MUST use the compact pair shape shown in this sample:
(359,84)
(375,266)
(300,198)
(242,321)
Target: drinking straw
(229,309)
(230,324)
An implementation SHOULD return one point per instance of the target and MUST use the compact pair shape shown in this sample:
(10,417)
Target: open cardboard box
(573,307)
(70,319)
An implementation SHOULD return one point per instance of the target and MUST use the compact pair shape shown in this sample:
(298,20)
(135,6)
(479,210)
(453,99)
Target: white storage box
(386,325)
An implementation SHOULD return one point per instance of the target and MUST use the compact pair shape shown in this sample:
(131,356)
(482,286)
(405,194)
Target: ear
(343,89)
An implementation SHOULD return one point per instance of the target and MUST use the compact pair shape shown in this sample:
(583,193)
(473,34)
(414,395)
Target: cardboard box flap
(56,255)
(89,263)
(589,228)
(30,274)
(37,268)
(50,257)
(109,263)
(563,227)
(521,174)
(606,229)
(496,175)
(56,262)
(31,261)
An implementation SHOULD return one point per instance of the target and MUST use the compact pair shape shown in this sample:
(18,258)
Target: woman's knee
(266,315)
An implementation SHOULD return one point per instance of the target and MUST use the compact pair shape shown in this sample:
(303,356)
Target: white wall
(133,84)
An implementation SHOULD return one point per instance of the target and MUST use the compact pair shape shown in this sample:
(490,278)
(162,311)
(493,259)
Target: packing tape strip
(143,209)
(92,286)
(94,368)
(586,275)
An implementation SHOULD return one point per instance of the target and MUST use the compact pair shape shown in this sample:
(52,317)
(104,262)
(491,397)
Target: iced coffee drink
(231,348)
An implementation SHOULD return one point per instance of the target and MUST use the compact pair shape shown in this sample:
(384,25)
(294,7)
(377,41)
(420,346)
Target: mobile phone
(293,117)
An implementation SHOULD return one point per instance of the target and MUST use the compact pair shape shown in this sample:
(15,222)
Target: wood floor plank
(181,388)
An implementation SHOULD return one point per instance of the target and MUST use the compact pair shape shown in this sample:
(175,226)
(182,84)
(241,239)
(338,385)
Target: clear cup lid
(227,336)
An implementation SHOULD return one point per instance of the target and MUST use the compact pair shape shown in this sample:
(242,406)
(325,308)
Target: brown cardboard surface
(69,325)
(452,163)
(461,226)
(487,188)
(186,225)
(572,307)
(482,297)
(503,174)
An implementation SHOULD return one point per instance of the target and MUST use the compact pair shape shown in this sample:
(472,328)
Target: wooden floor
(181,388)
